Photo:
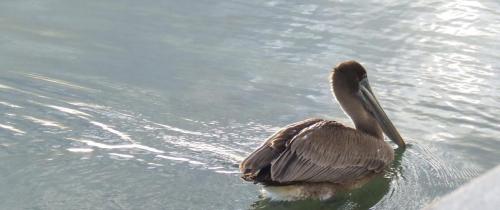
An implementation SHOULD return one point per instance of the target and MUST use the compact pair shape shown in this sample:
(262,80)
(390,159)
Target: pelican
(315,158)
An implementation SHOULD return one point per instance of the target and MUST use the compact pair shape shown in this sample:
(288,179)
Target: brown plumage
(314,157)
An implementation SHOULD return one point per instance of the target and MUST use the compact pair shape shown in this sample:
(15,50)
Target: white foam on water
(43,122)
(120,146)
(82,104)
(121,155)
(58,81)
(69,110)
(180,159)
(10,105)
(6,87)
(227,172)
(80,150)
(172,158)
(155,164)
(12,128)
(180,130)
(227,153)
(108,128)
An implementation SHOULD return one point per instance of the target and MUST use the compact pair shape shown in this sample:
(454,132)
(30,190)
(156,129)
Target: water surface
(152,104)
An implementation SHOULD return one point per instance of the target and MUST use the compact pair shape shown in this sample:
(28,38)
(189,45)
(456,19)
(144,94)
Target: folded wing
(260,160)
(317,151)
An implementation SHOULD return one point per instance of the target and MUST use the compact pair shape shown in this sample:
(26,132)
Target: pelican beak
(371,103)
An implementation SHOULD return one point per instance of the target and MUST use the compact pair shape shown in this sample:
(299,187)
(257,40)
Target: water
(151,105)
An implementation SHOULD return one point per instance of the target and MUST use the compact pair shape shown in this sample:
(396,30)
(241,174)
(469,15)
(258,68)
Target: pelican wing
(327,151)
(272,148)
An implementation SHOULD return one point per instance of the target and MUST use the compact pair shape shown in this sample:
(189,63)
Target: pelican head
(353,92)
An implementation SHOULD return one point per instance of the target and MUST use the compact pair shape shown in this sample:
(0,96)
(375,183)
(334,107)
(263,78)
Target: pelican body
(314,158)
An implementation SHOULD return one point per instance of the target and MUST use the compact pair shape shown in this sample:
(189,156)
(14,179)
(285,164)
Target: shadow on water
(361,198)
